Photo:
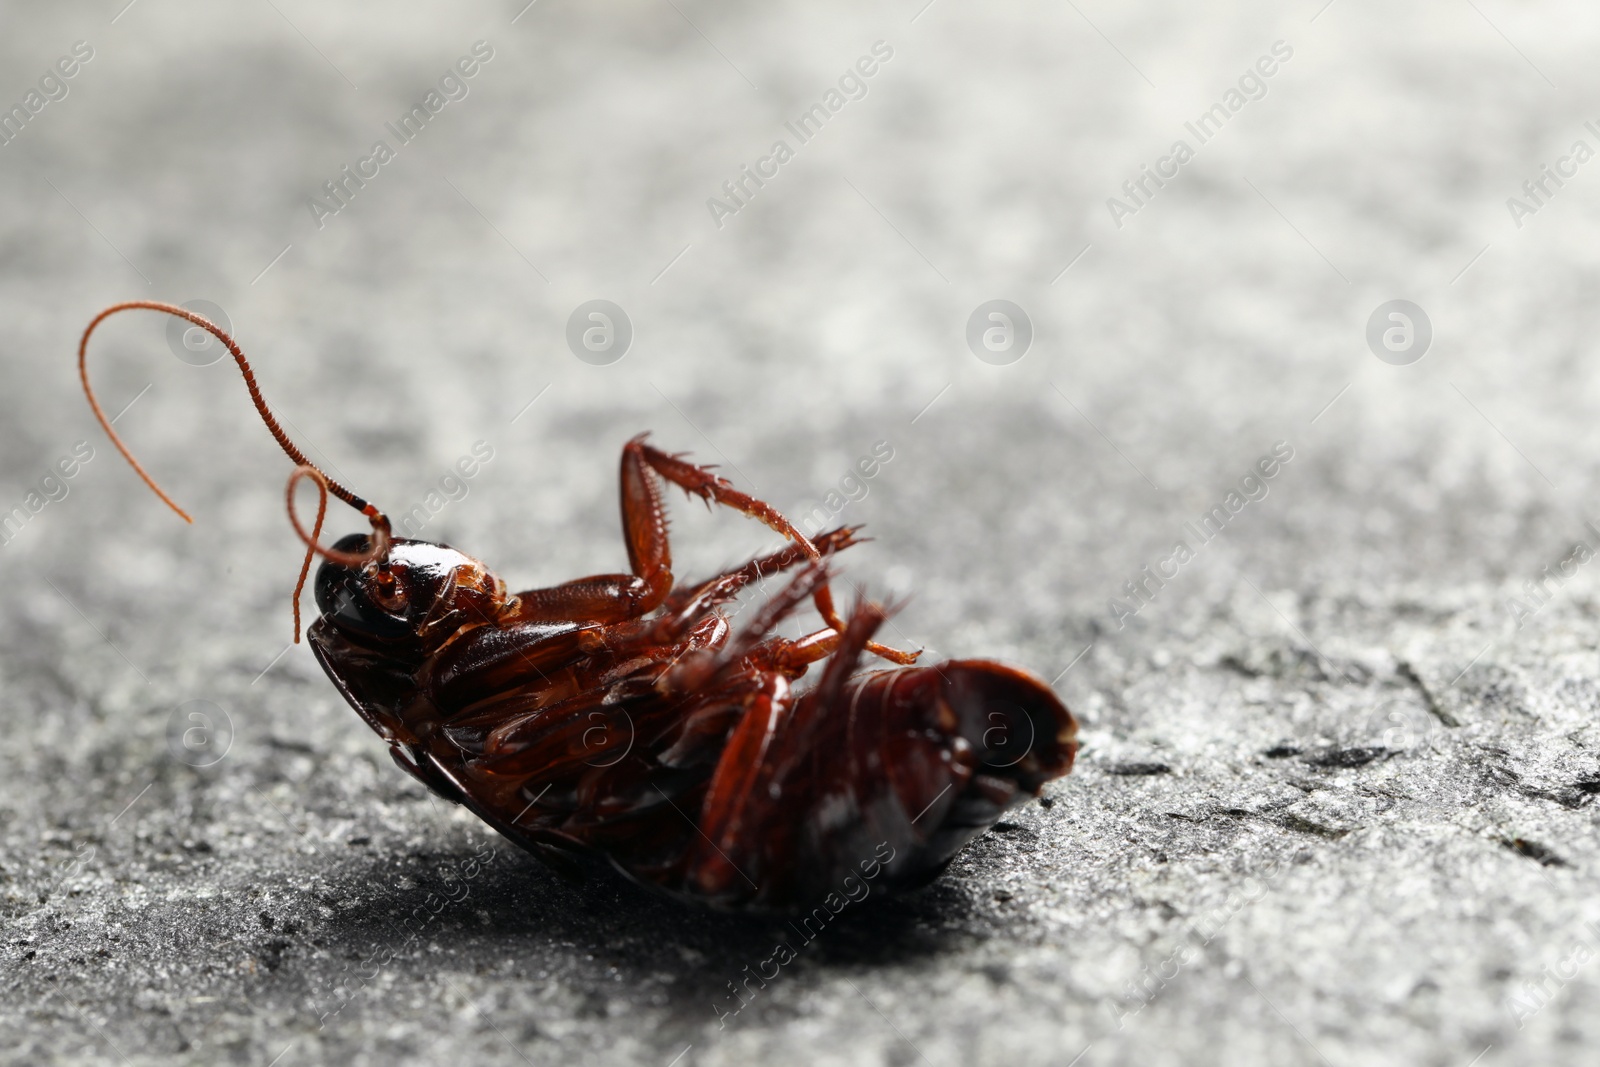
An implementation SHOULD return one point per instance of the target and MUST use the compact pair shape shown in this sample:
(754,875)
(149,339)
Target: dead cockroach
(622,716)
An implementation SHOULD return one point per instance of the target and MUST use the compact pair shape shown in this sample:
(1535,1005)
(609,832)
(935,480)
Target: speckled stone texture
(1336,799)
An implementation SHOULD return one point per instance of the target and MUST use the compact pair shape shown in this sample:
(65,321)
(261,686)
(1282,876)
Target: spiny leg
(686,606)
(701,482)
(698,671)
(730,583)
(793,657)
(725,585)
(610,598)
(823,599)
(855,637)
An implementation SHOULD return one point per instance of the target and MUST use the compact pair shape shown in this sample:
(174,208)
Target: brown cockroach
(622,716)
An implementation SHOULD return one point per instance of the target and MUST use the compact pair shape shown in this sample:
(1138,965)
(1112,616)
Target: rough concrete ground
(1336,799)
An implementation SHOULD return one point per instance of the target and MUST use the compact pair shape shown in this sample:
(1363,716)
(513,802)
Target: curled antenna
(378,550)
(303,466)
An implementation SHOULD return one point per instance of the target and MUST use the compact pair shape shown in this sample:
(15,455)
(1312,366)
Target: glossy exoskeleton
(625,717)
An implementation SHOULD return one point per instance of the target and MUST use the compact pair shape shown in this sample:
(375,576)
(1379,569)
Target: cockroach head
(422,591)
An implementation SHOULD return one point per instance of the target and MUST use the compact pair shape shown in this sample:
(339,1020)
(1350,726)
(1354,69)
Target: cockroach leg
(710,870)
(755,570)
(727,848)
(855,637)
(701,482)
(686,604)
(763,567)
(694,672)
(823,599)
(612,598)
(796,655)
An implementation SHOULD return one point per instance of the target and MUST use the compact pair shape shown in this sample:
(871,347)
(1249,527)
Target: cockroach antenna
(379,549)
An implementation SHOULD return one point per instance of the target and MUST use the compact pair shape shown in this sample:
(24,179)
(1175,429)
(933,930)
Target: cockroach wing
(382,688)
(515,724)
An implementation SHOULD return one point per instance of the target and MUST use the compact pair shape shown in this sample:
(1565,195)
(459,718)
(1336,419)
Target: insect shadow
(516,907)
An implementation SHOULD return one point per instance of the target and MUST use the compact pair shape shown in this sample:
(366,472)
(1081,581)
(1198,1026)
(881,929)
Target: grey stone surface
(1334,805)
